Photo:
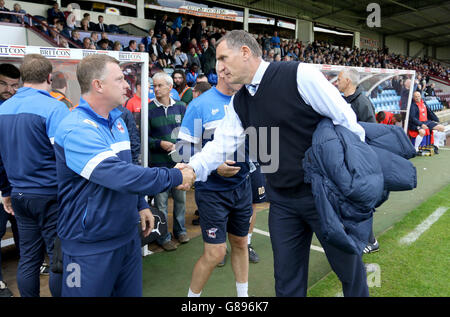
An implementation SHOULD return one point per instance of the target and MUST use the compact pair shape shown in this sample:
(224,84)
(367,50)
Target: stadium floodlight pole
(144,111)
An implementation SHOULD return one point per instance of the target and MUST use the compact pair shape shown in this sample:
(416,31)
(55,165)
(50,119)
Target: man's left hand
(147,221)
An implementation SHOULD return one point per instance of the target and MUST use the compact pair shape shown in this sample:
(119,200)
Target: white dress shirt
(315,90)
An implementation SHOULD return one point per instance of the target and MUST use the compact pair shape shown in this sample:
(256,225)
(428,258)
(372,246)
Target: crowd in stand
(189,45)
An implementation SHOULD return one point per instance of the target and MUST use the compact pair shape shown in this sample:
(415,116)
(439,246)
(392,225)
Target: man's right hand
(7,205)
(188,176)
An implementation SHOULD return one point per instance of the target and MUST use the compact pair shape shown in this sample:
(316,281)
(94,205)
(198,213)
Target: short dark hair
(380,116)
(9,70)
(202,87)
(131,42)
(35,69)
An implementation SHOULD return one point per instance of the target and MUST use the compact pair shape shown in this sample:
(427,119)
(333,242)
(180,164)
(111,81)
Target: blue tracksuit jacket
(100,190)
(28,122)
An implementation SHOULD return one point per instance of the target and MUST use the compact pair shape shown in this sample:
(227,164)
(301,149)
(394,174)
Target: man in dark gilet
(290,99)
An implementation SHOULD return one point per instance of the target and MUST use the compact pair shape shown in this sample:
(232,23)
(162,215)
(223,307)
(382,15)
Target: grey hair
(238,38)
(351,74)
(165,76)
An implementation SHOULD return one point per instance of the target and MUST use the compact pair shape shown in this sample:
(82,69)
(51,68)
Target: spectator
(348,85)
(84,25)
(132,47)
(172,37)
(101,26)
(430,90)
(175,45)
(194,44)
(4,17)
(63,43)
(134,103)
(9,84)
(43,27)
(201,31)
(61,29)
(386,117)
(94,38)
(161,25)
(59,88)
(76,39)
(104,36)
(200,88)
(117,46)
(165,115)
(148,39)
(208,58)
(54,14)
(103,45)
(71,19)
(16,18)
(179,80)
(191,76)
(167,57)
(154,47)
(181,59)
(141,48)
(91,25)
(178,22)
(422,121)
(201,78)
(87,43)
(193,58)
(185,35)
(404,96)
(275,43)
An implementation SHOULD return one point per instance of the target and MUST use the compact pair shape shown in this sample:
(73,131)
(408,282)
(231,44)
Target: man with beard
(9,83)
(185,92)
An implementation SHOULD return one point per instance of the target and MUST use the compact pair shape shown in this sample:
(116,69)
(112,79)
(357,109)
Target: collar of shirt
(158,104)
(258,77)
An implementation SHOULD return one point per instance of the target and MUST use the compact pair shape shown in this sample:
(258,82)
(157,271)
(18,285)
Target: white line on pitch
(424,226)
(265,233)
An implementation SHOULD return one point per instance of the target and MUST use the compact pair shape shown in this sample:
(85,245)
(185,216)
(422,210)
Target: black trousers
(292,221)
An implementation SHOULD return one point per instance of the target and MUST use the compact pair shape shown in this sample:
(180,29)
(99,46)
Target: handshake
(188,176)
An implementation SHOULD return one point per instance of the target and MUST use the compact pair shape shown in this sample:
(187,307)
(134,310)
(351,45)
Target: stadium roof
(425,21)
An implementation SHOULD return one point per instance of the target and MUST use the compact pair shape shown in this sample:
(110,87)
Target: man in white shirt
(289,99)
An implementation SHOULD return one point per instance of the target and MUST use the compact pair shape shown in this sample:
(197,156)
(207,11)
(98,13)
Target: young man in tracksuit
(28,122)
(101,191)
(225,200)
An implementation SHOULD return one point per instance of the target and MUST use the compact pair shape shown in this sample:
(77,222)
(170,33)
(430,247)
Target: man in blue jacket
(101,191)
(28,121)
